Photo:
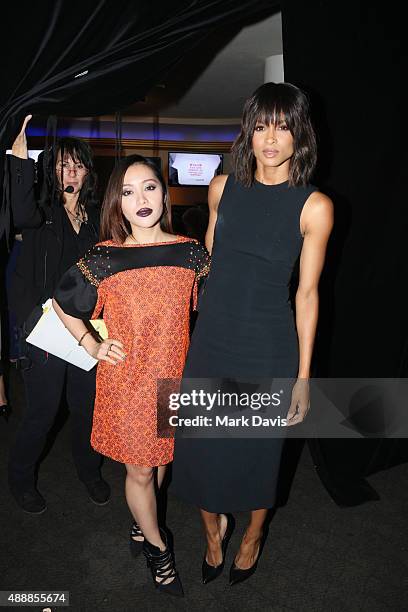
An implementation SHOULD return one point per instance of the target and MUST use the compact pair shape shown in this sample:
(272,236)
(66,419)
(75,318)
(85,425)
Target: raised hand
(19,148)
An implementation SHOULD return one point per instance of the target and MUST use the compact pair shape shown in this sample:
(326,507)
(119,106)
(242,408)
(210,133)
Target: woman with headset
(57,227)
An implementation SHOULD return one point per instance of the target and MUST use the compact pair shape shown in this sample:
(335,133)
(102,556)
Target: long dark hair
(114,225)
(268,104)
(80,152)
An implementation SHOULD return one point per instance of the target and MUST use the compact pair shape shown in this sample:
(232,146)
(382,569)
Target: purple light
(141,131)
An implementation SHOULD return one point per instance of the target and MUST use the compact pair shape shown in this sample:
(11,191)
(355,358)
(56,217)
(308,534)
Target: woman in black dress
(58,227)
(262,218)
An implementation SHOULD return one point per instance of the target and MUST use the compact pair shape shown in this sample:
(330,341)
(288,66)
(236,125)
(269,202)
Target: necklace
(79,217)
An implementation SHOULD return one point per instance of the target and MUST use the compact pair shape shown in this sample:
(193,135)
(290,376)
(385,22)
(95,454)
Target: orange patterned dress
(146,294)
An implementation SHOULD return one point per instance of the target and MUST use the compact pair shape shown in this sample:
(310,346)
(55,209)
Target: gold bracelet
(83,336)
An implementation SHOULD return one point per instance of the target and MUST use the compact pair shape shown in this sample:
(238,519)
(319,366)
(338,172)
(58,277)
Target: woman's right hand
(109,350)
(19,148)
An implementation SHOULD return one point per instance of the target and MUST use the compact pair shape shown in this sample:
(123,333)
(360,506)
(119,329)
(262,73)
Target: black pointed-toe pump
(211,572)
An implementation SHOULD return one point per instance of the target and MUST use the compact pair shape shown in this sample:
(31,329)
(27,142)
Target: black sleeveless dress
(245,329)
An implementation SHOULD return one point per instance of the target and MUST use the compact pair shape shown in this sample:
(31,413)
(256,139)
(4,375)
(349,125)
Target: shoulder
(104,246)
(198,255)
(95,264)
(215,190)
(96,252)
(195,246)
(318,212)
(217,183)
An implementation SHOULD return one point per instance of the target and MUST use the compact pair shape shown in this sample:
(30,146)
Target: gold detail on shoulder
(87,273)
(203,272)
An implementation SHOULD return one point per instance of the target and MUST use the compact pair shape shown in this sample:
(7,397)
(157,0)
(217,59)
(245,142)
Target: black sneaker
(98,491)
(30,501)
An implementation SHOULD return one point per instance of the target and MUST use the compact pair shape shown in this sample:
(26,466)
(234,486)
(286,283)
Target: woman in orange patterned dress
(145,279)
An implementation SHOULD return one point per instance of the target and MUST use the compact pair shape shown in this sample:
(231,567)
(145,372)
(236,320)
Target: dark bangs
(270,104)
(114,225)
(78,150)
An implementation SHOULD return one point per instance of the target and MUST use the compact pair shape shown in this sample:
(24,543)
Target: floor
(318,557)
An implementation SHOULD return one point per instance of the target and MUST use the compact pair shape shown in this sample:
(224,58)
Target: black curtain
(351,57)
(87,58)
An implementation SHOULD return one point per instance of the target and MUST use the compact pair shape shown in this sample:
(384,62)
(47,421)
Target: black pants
(46,379)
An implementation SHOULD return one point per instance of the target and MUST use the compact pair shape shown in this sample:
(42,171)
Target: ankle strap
(161,564)
(136,531)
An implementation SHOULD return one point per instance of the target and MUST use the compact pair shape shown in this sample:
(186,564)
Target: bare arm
(26,213)
(19,147)
(317,223)
(215,190)
(109,350)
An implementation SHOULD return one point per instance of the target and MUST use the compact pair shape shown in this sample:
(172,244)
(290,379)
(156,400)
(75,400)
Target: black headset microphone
(70,189)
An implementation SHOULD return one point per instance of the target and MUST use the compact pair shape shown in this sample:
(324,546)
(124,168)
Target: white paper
(52,336)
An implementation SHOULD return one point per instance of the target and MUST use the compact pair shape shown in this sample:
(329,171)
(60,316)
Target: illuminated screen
(193,169)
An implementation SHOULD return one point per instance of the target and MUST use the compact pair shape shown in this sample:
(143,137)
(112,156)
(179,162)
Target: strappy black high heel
(162,566)
(136,546)
(211,572)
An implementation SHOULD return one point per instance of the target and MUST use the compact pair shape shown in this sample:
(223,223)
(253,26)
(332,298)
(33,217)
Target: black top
(246,323)
(75,245)
(77,291)
(50,244)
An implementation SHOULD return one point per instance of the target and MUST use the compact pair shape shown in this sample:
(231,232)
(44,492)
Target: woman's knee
(140,474)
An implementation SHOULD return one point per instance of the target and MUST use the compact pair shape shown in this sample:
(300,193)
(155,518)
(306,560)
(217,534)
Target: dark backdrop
(87,57)
(93,57)
(352,59)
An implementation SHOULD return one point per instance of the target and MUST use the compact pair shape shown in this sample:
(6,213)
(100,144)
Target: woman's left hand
(299,406)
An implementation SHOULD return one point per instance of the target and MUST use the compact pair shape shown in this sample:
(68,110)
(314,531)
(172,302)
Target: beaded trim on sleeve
(203,272)
(87,273)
